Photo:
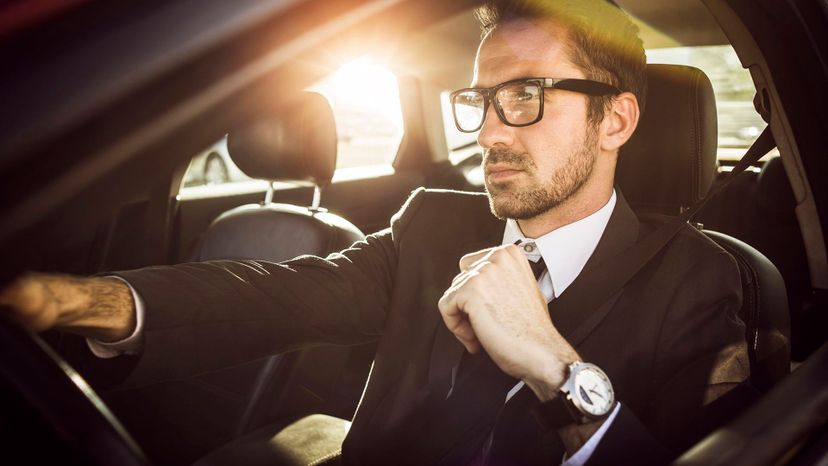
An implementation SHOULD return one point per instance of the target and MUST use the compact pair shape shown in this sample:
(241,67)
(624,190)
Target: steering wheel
(63,400)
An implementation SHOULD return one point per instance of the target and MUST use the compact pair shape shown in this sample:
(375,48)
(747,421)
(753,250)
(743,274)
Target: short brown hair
(604,41)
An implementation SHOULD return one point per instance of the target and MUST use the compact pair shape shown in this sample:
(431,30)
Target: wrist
(68,298)
(97,307)
(550,376)
(586,395)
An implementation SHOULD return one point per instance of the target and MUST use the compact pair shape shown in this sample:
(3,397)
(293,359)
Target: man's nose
(494,131)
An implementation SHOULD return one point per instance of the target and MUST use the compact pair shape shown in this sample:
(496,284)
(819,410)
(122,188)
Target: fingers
(452,303)
(482,273)
(465,275)
(470,260)
(465,334)
(494,254)
(30,302)
(456,320)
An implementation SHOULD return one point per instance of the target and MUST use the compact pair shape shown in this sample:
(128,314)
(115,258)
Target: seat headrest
(670,161)
(298,143)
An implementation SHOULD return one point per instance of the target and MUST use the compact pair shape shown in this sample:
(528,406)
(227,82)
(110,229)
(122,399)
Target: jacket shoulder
(451,197)
(699,253)
(442,201)
(439,212)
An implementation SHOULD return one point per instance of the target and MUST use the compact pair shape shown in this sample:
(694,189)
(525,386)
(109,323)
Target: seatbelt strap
(594,289)
(763,144)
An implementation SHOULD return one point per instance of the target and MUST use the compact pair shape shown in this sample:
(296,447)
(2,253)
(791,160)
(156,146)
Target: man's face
(532,169)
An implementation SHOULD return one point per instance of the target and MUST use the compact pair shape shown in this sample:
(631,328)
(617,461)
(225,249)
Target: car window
(739,123)
(365,99)
(460,145)
(364,96)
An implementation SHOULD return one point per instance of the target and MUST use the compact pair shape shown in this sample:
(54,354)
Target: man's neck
(584,203)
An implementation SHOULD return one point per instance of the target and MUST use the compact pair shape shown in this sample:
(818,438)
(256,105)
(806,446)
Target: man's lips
(502,172)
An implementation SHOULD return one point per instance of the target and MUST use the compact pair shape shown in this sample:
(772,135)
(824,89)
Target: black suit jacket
(670,340)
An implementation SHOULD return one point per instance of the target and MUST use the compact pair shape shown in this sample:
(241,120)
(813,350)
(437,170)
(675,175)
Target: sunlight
(365,99)
(362,84)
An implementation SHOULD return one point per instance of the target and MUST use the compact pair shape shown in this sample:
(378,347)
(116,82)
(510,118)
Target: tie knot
(534,257)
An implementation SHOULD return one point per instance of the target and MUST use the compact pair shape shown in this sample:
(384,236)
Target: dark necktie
(537,267)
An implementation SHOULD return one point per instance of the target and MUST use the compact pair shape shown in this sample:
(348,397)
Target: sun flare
(364,85)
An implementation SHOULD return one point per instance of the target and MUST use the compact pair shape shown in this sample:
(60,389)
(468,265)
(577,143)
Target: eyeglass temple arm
(584,86)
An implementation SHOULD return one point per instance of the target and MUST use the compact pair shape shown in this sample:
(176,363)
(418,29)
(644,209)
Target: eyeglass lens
(468,110)
(519,104)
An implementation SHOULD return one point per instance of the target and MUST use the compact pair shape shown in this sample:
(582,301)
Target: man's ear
(619,122)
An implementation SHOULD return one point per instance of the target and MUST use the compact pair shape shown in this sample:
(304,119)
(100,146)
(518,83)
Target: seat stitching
(697,133)
(324,458)
(754,297)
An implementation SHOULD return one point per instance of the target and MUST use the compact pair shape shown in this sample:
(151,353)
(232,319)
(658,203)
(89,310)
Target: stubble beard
(510,200)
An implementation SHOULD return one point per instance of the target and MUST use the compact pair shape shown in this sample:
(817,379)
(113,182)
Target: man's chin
(507,204)
(500,202)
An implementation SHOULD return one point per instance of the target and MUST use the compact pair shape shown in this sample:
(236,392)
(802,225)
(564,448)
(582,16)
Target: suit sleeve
(210,315)
(701,371)
(701,354)
(627,441)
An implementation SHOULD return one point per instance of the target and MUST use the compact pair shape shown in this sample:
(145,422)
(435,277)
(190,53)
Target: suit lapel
(574,316)
(484,231)
(621,233)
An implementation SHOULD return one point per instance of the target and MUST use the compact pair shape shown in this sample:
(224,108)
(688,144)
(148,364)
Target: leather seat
(760,208)
(299,144)
(299,148)
(667,166)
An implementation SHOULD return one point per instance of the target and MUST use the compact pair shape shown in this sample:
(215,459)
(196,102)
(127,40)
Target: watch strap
(556,413)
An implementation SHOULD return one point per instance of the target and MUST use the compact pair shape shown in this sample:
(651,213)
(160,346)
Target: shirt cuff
(130,344)
(583,454)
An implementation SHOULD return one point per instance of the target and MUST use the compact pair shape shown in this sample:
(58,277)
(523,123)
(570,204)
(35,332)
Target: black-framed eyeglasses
(518,102)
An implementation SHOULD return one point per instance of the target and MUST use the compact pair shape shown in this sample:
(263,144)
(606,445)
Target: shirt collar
(566,249)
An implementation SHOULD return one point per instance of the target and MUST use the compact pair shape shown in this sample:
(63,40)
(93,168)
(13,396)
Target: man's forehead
(519,48)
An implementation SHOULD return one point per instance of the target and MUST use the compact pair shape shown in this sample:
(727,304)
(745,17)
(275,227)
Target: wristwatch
(585,396)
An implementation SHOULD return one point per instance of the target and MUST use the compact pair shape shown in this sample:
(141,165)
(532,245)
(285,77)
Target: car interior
(102,170)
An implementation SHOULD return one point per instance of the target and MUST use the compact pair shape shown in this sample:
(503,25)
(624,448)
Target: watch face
(594,391)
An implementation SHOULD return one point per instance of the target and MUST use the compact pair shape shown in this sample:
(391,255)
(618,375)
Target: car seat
(760,208)
(667,166)
(298,144)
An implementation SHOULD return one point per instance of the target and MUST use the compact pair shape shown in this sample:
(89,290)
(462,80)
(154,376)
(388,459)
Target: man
(556,93)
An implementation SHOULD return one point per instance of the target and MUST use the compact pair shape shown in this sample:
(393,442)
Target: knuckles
(29,303)
(493,254)
(515,253)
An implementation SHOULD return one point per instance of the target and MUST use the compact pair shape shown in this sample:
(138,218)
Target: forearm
(96,307)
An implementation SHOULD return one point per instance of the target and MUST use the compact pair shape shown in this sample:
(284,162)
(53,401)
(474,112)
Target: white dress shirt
(564,250)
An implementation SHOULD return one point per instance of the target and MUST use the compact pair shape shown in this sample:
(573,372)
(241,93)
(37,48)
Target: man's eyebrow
(474,85)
